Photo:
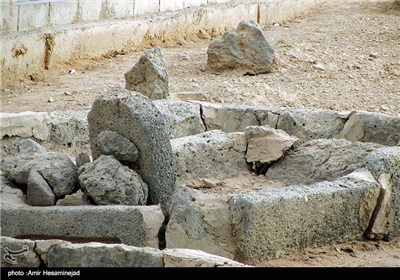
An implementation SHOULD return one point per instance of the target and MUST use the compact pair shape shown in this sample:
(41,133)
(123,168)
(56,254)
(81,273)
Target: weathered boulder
(68,127)
(135,117)
(307,124)
(39,192)
(210,154)
(266,144)
(270,222)
(75,199)
(103,255)
(81,159)
(245,48)
(384,164)
(57,169)
(149,75)
(320,159)
(25,124)
(107,182)
(200,221)
(132,225)
(183,118)
(26,248)
(111,143)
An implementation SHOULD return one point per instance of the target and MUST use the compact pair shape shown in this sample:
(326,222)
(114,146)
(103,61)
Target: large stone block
(194,3)
(9,16)
(320,159)
(25,248)
(274,221)
(171,5)
(307,124)
(143,7)
(136,118)
(183,118)
(132,225)
(64,12)
(200,221)
(68,127)
(212,154)
(33,15)
(26,124)
(103,255)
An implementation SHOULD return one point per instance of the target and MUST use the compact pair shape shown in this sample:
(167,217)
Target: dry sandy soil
(342,55)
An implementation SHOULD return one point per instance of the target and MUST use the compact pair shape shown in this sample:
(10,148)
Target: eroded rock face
(245,48)
(107,182)
(57,169)
(200,221)
(149,75)
(318,160)
(135,117)
(266,144)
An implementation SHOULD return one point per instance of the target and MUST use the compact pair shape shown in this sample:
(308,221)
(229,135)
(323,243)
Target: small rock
(67,93)
(81,159)
(374,55)
(385,107)
(72,71)
(39,192)
(50,99)
(111,143)
(75,199)
(276,24)
(318,67)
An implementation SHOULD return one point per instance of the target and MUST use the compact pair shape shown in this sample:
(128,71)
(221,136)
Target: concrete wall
(37,34)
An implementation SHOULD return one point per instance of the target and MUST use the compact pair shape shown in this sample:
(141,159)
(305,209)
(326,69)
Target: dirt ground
(341,55)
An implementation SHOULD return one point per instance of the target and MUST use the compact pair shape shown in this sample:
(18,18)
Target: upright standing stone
(136,118)
(149,75)
(245,48)
(39,192)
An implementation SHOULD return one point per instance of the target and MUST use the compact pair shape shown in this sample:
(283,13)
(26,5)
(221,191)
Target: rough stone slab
(68,127)
(39,192)
(307,124)
(149,75)
(28,258)
(109,182)
(200,221)
(266,144)
(318,160)
(111,143)
(56,168)
(103,255)
(135,117)
(75,199)
(380,128)
(386,160)
(26,124)
(244,48)
(270,222)
(195,258)
(33,15)
(125,224)
(183,118)
(207,155)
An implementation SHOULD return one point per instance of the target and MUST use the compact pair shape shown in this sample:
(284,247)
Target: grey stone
(207,155)
(81,159)
(111,143)
(149,75)
(183,118)
(200,221)
(353,129)
(131,225)
(39,192)
(57,169)
(75,199)
(386,160)
(270,222)
(25,124)
(380,128)
(245,48)
(320,159)
(107,182)
(136,118)
(266,144)
(43,246)
(103,255)
(195,258)
(68,127)
(228,117)
(10,196)
(16,145)
(307,124)
(27,257)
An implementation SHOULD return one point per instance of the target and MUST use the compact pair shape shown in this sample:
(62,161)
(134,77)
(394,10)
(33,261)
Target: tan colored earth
(342,55)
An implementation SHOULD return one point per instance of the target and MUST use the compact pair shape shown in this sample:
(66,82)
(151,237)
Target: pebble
(373,55)
(67,93)
(385,107)
(318,67)
(72,71)
(50,99)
